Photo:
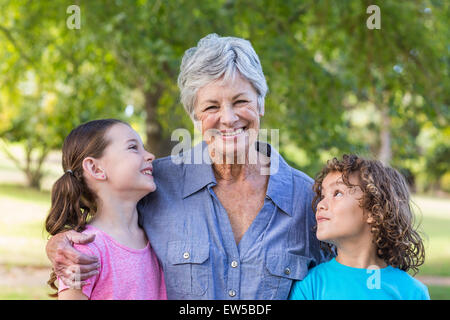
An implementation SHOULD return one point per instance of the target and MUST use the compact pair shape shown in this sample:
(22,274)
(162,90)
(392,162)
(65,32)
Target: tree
(406,57)
(323,67)
(51,81)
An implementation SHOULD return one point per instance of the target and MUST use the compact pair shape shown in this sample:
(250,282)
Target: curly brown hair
(387,200)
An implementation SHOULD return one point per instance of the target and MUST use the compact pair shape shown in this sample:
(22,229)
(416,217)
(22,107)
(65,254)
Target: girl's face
(229,115)
(126,164)
(339,215)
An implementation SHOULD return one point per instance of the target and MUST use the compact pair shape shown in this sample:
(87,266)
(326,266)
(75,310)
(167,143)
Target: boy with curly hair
(363,214)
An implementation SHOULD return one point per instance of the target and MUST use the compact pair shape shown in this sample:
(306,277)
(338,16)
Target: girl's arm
(72,294)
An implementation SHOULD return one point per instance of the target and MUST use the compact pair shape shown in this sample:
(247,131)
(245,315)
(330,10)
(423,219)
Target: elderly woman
(222,228)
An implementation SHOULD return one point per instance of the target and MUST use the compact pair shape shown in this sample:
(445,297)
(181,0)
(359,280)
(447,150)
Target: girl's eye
(133,147)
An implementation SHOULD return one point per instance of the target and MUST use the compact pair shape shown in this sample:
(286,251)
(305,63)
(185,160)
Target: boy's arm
(72,294)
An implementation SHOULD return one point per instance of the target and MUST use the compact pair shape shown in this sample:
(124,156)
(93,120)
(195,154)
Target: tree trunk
(385,153)
(33,173)
(33,167)
(156,142)
(34,179)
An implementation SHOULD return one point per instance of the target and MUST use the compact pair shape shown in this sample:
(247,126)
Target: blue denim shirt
(191,234)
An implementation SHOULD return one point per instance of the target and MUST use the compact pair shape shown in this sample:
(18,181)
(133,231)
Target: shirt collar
(280,188)
(198,171)
(199,175)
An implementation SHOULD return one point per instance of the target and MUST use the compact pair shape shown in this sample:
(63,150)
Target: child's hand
(72,266)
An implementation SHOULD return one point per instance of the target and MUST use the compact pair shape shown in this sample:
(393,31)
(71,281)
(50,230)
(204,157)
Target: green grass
(25,293)
(22,237)
(22,234)
(434,218)
(25,194)
(437,250)
(439,292)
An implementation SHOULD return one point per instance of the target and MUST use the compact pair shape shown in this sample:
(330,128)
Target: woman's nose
(228,116)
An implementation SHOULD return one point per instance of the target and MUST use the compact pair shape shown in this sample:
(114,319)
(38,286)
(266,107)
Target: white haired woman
(235,226)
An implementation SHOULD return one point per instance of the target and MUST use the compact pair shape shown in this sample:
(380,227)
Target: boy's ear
(370,218)
(93,169)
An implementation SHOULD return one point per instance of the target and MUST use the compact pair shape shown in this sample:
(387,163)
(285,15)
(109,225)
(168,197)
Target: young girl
(106,172)
(363,214)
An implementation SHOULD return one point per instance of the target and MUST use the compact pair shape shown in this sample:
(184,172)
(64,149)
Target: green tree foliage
(50,81)
(334,85)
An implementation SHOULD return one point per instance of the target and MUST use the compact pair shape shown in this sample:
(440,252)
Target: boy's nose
(322,205)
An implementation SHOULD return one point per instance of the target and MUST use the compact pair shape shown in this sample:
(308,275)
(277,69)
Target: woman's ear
(93,169)
(197,124)
(261,109)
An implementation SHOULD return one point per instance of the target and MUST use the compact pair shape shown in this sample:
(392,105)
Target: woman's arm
(64,257)
(72,294)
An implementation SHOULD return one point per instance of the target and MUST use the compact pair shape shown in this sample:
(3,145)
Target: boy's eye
(337,193)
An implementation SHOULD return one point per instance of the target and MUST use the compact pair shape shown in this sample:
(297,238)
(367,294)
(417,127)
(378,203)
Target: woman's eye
(241,101)
(210,108)
(133,147)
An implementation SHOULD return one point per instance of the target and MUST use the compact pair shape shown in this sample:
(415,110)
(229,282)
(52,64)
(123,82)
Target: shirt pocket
(188,266)
(280,272)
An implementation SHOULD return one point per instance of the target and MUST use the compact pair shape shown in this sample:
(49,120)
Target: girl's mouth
(147,171)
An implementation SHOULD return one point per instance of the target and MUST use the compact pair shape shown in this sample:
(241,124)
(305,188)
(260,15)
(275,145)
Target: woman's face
(229,117)
(339,215)
(127,165)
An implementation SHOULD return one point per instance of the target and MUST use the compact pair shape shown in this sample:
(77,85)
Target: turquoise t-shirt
(334,281)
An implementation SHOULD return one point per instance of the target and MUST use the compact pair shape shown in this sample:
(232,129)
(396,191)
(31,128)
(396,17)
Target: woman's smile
(229,134)
(228,112)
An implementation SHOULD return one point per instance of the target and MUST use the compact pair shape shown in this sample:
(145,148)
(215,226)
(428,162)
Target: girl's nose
(149,156)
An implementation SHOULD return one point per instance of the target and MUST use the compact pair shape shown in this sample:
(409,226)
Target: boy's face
(339,215)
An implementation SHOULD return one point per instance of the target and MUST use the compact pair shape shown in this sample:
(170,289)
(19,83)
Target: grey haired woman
(236,224)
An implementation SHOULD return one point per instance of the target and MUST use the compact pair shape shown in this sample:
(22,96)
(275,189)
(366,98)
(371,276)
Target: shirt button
(186,255)
(231,293)
(234,264)
(287,271)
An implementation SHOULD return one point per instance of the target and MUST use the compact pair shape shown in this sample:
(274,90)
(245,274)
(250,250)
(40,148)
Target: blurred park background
(335,86)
